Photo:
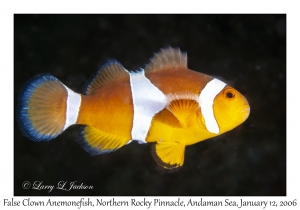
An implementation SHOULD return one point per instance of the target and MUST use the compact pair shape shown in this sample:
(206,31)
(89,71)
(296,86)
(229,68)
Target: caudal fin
(46,108)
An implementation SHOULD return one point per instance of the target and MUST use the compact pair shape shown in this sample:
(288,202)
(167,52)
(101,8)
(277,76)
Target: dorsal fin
(167,58)
(110,72)
(183,106)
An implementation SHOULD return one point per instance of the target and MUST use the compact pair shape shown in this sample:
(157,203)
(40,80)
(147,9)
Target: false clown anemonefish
(166,104)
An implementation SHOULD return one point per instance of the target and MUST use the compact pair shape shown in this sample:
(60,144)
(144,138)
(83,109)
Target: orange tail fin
(46,108)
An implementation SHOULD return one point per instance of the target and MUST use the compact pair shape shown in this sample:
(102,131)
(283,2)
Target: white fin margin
(147,101)
(182,95)
(72,107)
(206,101)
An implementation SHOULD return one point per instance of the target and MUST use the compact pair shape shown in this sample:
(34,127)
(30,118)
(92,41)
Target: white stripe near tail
(73,106)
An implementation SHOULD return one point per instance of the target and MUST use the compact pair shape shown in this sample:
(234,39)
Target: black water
(246,51)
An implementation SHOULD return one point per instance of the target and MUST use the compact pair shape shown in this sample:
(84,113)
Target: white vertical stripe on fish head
(72,107)
(206,101)
(147,101)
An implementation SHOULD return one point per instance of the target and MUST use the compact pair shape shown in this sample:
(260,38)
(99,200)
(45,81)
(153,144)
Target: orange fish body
(166,104)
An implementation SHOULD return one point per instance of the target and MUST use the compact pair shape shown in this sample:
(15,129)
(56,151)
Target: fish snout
(245,112)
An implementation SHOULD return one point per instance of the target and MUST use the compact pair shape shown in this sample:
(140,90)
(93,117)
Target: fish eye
(229,94)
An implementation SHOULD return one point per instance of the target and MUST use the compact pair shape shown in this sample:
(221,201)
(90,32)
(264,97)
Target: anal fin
(97,142)
(168,155)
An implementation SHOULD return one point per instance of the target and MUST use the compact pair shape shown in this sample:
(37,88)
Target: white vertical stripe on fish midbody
(206,101)
(147,101)
(72,107)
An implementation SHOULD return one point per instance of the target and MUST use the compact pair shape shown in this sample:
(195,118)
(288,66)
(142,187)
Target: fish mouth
(245,113)
(246,110)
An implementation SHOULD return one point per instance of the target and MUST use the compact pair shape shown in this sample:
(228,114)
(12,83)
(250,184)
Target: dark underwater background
(246,51)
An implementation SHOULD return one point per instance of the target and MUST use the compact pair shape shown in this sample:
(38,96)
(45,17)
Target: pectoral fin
(168,155)
(183,106)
